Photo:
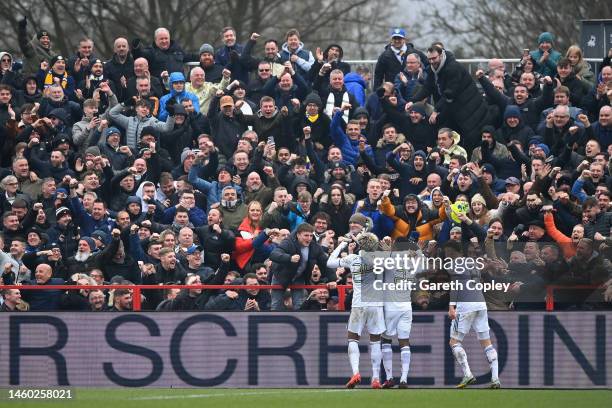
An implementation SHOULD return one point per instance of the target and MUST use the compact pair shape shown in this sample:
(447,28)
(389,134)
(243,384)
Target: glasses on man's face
(264,70)
(5,60)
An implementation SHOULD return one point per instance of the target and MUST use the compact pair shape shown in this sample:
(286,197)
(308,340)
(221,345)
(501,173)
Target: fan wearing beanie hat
(57,70)
(545,56)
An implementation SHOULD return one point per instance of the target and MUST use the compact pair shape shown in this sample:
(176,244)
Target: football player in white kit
(364,314)
(467,309)
(398,320)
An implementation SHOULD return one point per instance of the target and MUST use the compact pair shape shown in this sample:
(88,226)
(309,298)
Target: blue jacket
(178,96)
(44,300)
(348,147)
(383,225)
(356,86)
(84,219)
(212,189)
(602,134)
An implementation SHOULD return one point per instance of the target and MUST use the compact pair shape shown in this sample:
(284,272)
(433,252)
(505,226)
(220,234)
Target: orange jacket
(402,227)
(565,242)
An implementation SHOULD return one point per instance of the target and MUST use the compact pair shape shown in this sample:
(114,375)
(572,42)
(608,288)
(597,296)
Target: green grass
(296,398)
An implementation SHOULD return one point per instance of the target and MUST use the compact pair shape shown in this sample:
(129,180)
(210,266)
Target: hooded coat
(177,96)
(422,221)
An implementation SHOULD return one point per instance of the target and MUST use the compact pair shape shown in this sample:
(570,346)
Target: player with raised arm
(364,314)
(467,308)
(398,313)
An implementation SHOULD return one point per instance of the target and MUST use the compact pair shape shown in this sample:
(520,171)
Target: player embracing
(364,314)
(398,315)
(467,309)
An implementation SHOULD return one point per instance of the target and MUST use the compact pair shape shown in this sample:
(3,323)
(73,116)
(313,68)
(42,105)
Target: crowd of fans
(248,167)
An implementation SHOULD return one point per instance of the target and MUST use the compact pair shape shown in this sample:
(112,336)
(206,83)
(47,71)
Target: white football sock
(353,352)
(376,356)
(405,357)
(387,358)
(491,354)
(461,358)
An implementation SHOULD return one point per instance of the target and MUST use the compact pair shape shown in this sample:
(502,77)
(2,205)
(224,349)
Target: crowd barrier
(137,290)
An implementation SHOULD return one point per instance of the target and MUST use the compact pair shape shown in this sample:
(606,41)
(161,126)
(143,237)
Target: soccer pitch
(295,398)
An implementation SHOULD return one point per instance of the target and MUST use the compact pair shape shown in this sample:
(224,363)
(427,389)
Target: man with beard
(457,99)
(497,149)
(86,87)
(86,258)
(169,270)
(232,208)
(274,215)
(122,301)
(212,70)
(213,190)
(530,108)
(64,233)
(414,175)
(411,216)
(271,56)
(215,238)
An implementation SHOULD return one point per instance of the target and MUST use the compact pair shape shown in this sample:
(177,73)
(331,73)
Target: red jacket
(244,250)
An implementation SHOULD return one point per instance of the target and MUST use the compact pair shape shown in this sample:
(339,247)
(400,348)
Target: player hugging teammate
(364,313)
(389,313)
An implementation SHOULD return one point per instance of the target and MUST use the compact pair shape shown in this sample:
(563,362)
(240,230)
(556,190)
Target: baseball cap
(398,32)
(193,248)
(513,180)
(226,101)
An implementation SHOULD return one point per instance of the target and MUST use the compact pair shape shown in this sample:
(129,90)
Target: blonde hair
(574,49)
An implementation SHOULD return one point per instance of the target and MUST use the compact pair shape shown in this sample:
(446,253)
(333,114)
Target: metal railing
(137,289)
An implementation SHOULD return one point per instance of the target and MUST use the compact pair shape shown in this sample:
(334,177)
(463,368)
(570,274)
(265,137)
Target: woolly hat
(361,111)
(90,242)
(61,211)
(478,198)
(207,48)
(545,148)
(488,168)
(93,150)
(55,59)
(545,37)
(455,229)
(418,108)
(313,98)
(101,235)
(185,154)
(111,131)
(512,111)
(42,33)
(358,218)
